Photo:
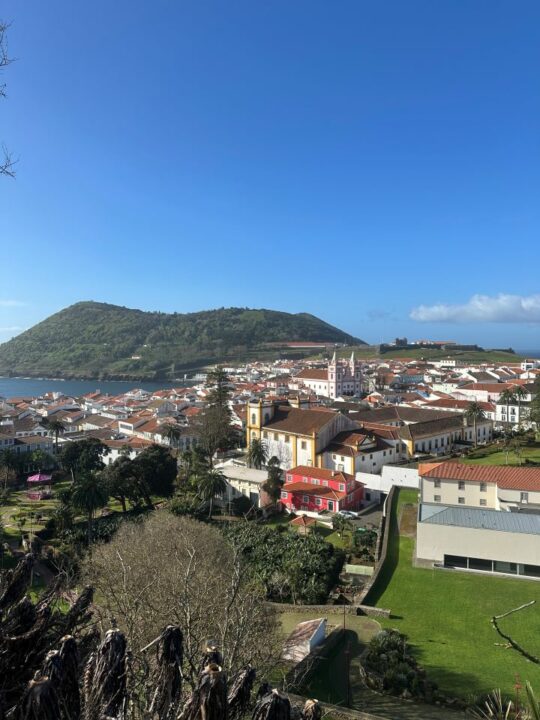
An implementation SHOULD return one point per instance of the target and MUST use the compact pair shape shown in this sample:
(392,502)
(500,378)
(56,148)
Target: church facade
(340,377)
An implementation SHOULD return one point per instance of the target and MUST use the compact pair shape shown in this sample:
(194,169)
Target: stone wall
(324,610)
(382,544)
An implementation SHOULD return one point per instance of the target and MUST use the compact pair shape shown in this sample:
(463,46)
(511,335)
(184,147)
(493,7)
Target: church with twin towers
(340,377)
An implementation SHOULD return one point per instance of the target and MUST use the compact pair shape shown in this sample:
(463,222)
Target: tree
(517,448)
(89,494)
(171,569)
(212,483)
(120,480)
(214,423)
(154,470)
(173,433)
(257,453)
(534,410)
(507,397)
(9,462)
(41,460)
(56,427)
(274,482)
(520,394)
(7,163)
(83,456)
(341,525)
(475,413)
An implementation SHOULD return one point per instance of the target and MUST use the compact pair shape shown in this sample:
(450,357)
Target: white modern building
(479,517)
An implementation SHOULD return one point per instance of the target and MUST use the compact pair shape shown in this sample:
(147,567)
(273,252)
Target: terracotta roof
(315,490)
(312,374)
(299,422)
(458,404)
(303,521)
(506,477)
(320,473)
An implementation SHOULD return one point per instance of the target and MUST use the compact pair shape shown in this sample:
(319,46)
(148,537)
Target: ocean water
(22,387)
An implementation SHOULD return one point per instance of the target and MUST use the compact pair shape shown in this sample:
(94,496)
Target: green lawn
(446,616)
(528,452)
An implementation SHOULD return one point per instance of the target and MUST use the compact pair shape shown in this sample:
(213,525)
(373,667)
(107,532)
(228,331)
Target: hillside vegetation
(91,339)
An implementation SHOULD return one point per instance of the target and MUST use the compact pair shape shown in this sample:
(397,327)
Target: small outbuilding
(304,639)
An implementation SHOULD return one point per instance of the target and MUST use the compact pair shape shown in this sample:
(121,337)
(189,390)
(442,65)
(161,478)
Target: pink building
(316,489)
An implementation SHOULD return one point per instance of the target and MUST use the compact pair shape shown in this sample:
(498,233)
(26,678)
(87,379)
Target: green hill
(97,340)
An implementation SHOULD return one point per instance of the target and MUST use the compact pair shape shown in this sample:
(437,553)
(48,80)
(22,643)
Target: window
(325,483)
(437,483)
(461,485)
(318,501)
(276,437)
(303,445)
(331,505)
(265,434)
(287,438)
(483,487)
(305,498)
(253,419)
(461,500)
(436,498)
(483,502)
(284,495)
(289,477)
(341,487)
(524,497)
(363,458)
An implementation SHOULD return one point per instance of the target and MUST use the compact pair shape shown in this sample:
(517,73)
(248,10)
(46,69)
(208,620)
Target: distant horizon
(387,340)
(376,165)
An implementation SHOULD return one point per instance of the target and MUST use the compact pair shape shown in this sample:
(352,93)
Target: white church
(340,377)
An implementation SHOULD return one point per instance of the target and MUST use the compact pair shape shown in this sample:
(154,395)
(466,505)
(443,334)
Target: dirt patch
(407,521)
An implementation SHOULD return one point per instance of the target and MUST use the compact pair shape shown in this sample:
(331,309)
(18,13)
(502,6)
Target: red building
(317,489)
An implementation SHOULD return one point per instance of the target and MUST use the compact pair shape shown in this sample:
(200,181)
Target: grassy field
(446,616)
(369,352)
(528,452)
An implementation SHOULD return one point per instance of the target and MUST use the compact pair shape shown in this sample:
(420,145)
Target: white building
(480,517)
(338,379)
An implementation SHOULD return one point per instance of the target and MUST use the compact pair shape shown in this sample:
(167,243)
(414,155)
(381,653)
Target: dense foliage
(390,667)
(92,339)
(290,567)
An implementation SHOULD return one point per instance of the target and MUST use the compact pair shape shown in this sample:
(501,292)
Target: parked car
(347,513)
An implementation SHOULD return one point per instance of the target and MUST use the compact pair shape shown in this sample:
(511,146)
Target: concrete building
(479,517)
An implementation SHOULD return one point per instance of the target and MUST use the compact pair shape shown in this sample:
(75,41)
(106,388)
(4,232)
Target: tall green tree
(212,483)
(89,495)
(173,433)
(214,424)
(507,397)
(257,453)
(474,413)
(83,456)
(274,482)
(56,427)
(10,464)
(120,480)
(519,394)
(154,470)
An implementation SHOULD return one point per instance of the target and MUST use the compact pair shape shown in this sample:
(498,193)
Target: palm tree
(475,413)
(212,483)
(257,453)
(519,394)
(56,427)
(89,494)
(173,433)
(507,396)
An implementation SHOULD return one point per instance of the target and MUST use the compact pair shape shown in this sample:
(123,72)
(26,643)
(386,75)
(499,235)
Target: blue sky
(374,163)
